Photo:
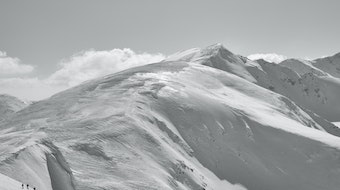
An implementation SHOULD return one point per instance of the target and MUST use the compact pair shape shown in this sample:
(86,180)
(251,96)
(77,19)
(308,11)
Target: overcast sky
(47,46)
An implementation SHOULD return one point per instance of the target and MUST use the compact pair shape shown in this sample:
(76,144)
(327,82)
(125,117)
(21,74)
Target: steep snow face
(329,65)
(10,105)
(171,125)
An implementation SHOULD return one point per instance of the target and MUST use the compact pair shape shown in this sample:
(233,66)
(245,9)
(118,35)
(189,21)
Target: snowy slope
(10,105)
(320,80)
(7,183)
(171,125)
(308,86)
(302,67)
(330,65)
(318,93)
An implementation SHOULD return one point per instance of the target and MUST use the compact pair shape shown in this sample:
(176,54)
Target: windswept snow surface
(7,183)
(198,122)
(10,105)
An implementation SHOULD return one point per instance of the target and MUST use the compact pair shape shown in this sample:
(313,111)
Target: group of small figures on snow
(27,185)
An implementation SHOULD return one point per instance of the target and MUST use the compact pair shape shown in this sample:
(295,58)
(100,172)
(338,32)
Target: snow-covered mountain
(309,86)
(302,67)
(10,105)
(322,67)
(201,119)
(330,65)
(314,87)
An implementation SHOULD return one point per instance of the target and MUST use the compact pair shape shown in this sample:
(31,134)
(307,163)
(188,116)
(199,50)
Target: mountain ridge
(9,105)
(201,119)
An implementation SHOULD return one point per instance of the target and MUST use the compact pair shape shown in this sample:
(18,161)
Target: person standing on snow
(22,186)
(27,186)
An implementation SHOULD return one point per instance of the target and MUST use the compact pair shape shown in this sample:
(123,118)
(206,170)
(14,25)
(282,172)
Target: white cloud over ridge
(270,57)
(12,65)
(78,68)
(91,64)
(27,88)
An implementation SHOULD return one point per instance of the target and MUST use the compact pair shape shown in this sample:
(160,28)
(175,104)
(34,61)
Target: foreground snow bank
(7,183)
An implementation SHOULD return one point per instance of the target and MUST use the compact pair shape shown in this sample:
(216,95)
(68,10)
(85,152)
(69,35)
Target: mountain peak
(261,60)
(194,54)
(215,49)
(215,56)
(216,46)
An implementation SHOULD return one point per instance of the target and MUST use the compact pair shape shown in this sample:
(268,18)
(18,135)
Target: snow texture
(201,119)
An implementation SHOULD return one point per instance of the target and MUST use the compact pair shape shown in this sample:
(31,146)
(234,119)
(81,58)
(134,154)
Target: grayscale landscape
(201,118)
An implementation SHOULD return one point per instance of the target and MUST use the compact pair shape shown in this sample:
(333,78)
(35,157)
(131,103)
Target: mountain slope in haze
(199,120)
(302,67)
(330,65)
(321,67)
(10,105)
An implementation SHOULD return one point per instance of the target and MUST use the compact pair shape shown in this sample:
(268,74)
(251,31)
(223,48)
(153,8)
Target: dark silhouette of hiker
(27,186)
(22,185)
(33,188)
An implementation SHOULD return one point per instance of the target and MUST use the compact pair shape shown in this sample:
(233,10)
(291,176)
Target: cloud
(270,57)
(74,70)
(27,88)
(12,65)
(91,64)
